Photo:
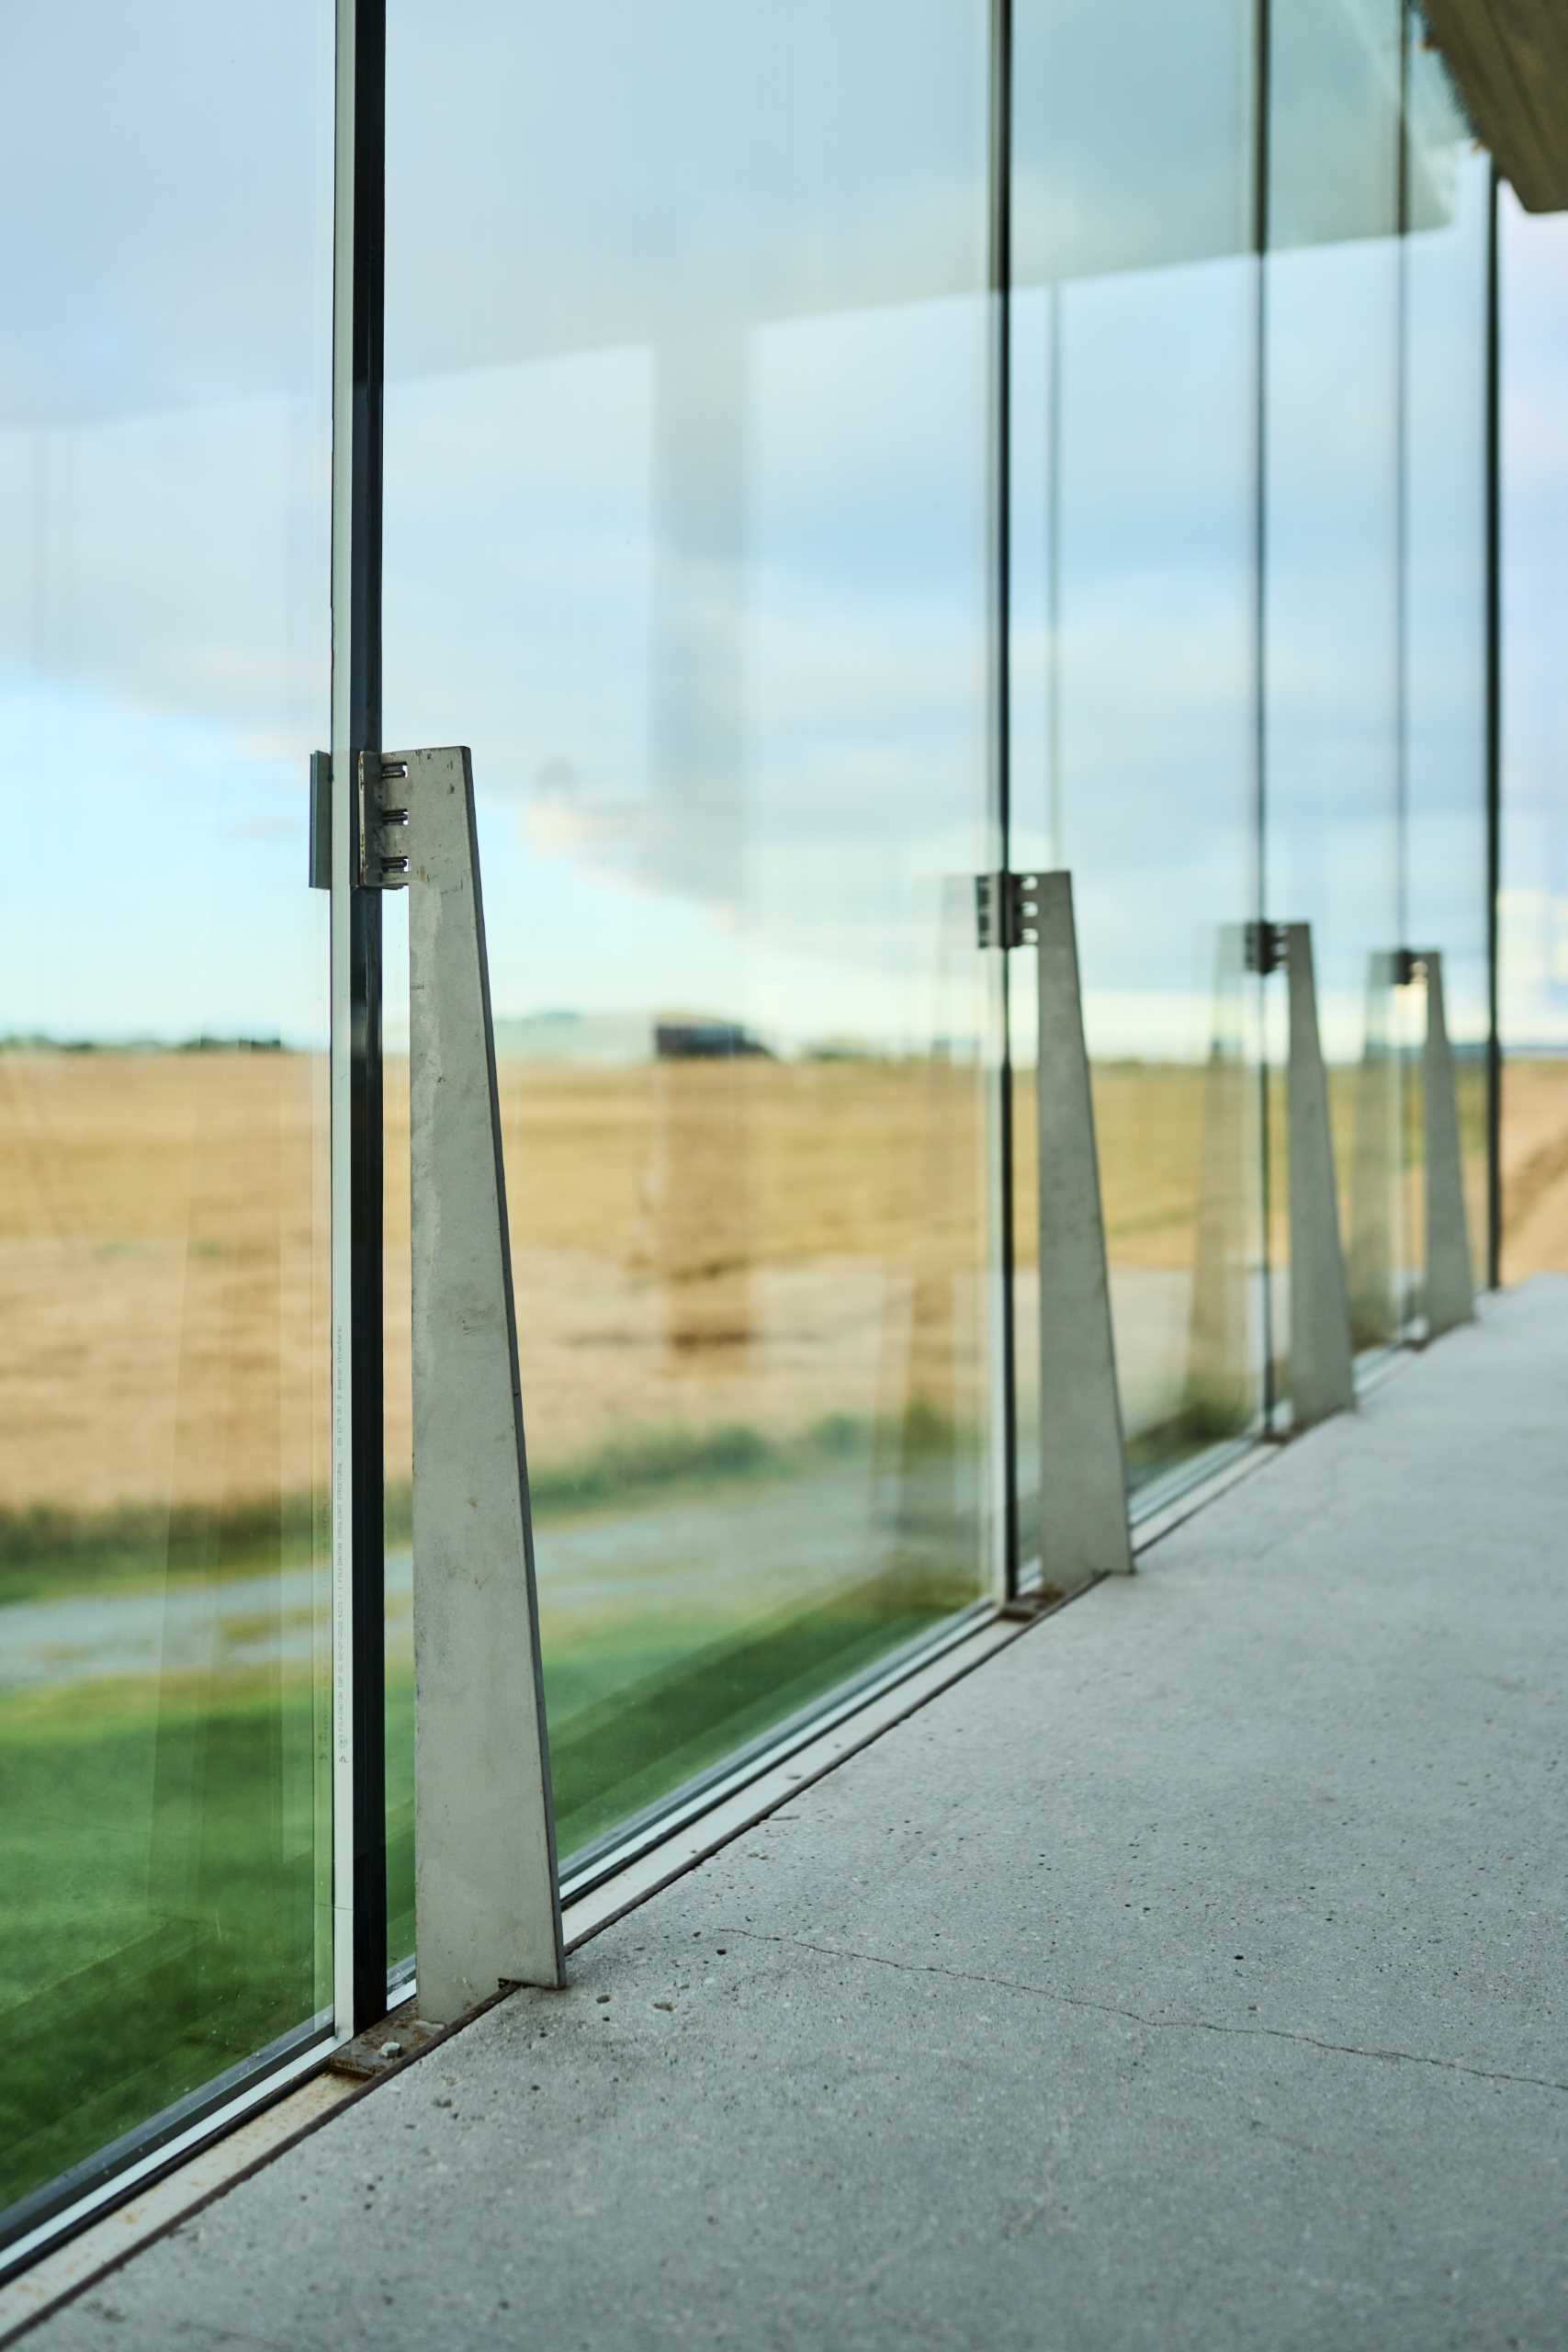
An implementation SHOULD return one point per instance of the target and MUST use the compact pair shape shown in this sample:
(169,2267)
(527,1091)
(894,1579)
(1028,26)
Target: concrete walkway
(1191,1975)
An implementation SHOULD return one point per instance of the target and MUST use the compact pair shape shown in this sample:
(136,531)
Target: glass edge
(42,2220)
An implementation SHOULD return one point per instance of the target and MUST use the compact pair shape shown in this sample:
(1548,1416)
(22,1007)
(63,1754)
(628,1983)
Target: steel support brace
(1219,1399)
(1323,1376)
(1451,1278)
(1377,1304)
(1083,1468)
(486,1897)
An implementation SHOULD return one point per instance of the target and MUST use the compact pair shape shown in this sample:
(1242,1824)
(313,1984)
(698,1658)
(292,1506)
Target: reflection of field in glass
(162,1705)
(162,1284)
(162,1439)
(1535,1168)
(686,1364)
(145,1945)
(755,1245)
(639,1706)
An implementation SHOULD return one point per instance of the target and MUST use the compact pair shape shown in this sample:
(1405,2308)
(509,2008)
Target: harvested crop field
(752,1245)
(730,1276)
(1535,1169)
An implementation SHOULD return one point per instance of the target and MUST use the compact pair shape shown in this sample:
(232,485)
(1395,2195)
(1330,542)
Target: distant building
(624,1040)
(700,1040)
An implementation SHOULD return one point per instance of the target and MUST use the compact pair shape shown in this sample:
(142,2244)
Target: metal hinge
(1263,947)
(1007,910)
(380,830)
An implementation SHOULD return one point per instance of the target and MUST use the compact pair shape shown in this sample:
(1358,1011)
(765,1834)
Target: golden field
(1535,1169)
(697,1244)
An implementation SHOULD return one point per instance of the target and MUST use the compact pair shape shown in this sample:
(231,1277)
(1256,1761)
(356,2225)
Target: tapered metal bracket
(1219,1397)
(1323,1374)
(1450,1273)
(487,1904)
(1374,1259)
(1084,1528)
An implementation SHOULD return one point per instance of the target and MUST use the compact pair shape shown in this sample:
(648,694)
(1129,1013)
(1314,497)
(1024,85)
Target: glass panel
(164,248)
(1332,649)
(686,535)
(1134,394)
(1448,203)
(1533,265)
(398,1408)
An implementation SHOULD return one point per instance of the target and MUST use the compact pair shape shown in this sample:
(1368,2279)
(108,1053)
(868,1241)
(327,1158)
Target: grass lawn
(161,1901)
(176,1848)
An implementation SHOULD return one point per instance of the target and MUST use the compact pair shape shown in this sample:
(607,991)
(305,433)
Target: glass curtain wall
(1332,643)
(1135,393)
(692,467)
(166,259)
(1374,650)
(1533,254)
(687,532)
(1247,643)
(1446,270)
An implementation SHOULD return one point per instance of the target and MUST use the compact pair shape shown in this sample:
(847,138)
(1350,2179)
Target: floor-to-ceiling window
(694,469)
(1533,974)
(1247,643)
(1332,595)
(1444,650)
(164,303)
(687,532)
(1133,447)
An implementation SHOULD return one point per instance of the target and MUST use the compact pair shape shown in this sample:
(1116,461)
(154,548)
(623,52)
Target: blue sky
(1535,618)
(687,492)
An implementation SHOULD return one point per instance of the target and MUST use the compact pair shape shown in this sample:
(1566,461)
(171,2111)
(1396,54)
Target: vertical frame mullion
(359,1853)
(1262,34)
(1403,1253)
(1003,1331)
(1493,558)
(1401,490)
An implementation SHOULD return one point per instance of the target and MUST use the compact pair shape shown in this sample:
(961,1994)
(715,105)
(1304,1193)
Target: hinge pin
(379,863)
(383,864)
(1265,947)
(1007,910)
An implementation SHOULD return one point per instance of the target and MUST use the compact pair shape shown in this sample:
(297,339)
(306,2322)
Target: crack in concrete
(1137,2016)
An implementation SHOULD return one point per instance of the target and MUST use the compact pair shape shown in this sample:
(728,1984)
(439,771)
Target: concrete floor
(1189,1975)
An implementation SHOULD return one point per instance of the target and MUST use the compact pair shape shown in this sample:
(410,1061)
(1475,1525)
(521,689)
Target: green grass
(161,1918)
(47,1550)
(171,1839)
(163,1847)
(641,1710)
